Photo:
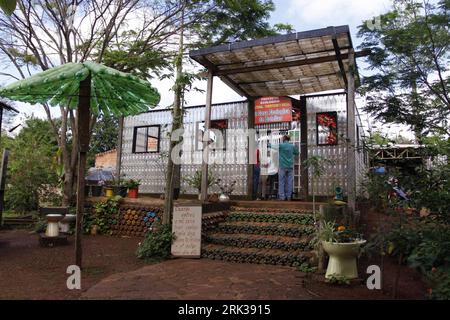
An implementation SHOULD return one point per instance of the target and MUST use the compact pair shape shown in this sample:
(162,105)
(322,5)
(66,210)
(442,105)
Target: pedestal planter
(52,225)
(342,262)
(64,224)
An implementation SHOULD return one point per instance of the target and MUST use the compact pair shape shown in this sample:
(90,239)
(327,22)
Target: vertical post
(119,148)
(351,134)
(1,119)
(83,119)
(304,178)
(251,147)
(3,170)
(205,157)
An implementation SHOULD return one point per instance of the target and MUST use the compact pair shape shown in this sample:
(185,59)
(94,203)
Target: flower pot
(96,191)
(109,192)
(224,198)
(342,262)
(133,192)
(120,191)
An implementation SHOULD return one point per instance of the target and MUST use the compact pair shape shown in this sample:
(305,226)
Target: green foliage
(195,180)
(239,20)
(377,189)
(157,243)
(338,280)
(8,6)
(306,268)
(104,136)
(316,164)
(439,279)
(102,214)
(40,226)
(410,49)
(31,167)
(132,184)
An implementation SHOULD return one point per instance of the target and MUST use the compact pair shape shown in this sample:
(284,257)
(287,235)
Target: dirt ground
(28,271)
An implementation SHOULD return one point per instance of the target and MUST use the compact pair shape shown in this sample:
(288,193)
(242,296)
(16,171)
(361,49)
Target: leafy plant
(132,184)
(157,243)
(306,268)
(101,213)
(195,180)
(339,280)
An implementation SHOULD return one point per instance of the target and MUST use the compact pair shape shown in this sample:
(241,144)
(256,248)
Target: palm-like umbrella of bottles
(87,87)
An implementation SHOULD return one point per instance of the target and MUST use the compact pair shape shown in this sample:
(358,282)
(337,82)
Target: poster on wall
(187,227)
(326,128)
(273,109)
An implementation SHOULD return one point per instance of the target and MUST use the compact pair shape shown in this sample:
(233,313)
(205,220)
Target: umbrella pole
(83,120)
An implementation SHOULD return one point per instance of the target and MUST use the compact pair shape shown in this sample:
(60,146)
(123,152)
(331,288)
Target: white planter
(342,262)
(52,225)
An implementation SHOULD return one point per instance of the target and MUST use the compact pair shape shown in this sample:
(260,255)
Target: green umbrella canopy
(112,91)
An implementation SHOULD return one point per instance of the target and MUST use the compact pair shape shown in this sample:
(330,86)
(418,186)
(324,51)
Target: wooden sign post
(187,227)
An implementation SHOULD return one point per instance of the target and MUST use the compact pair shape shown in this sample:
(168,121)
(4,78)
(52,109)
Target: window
(146,139)
(326,126)
(216,125)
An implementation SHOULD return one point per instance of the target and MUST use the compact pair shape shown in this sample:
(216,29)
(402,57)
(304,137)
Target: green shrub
(439,280)
(157,243)
(102,214)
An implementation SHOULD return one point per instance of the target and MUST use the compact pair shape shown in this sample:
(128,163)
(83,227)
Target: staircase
(265,236)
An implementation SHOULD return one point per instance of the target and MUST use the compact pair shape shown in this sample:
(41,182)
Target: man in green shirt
(287,152)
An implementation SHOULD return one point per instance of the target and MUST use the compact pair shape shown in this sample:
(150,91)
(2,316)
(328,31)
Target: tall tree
(211,22)
(104,136)
(32,169)
(410,55)
(129,35)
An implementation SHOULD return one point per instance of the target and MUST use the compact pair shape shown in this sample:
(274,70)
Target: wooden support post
(251,147)
(119,148)
(3,171)
(83,119)
(351,134)
(205,157)
(304,178)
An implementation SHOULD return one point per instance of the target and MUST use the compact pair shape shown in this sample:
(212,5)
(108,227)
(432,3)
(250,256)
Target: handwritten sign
(187,226)
(273,109)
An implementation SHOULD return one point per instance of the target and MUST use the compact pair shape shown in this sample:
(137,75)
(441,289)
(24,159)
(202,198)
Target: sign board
(273,109)
(187,226)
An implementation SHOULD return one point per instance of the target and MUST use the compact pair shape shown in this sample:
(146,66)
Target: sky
(303,15)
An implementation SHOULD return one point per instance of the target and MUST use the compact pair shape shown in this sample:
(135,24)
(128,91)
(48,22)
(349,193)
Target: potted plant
(119,187)
(225,189)
(96,190)
(133,187)
(195,181)
(109,189)
(342,245)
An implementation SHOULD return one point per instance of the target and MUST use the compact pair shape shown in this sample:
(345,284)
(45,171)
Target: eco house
(317,66)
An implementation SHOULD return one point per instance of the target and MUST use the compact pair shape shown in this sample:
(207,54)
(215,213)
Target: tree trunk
(177,123)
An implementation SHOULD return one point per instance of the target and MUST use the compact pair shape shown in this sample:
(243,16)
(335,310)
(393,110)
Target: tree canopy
(410,54)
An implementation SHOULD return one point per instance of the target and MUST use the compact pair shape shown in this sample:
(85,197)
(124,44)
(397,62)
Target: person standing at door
(286,154)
